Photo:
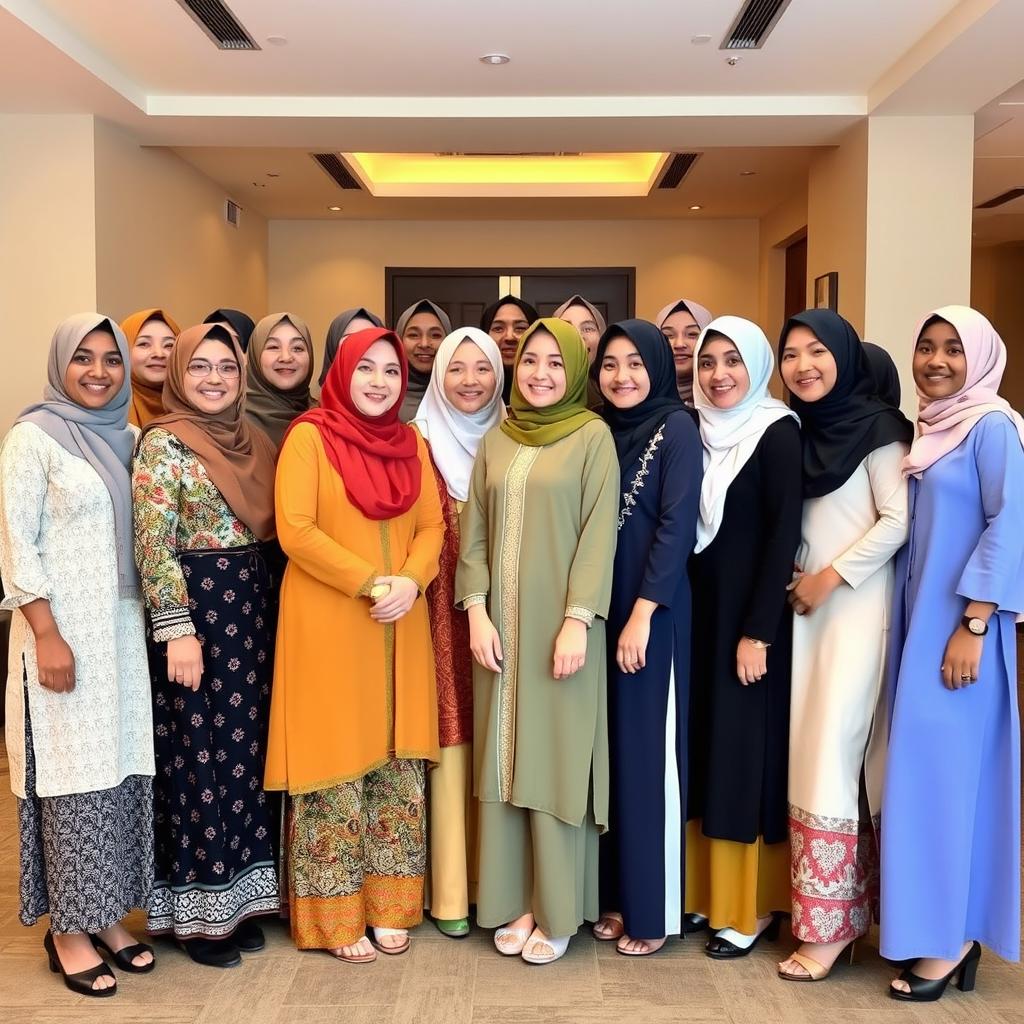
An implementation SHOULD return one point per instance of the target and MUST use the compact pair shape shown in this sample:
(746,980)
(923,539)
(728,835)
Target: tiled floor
(459,982)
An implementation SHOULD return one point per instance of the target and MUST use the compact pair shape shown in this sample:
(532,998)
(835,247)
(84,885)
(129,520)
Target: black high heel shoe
(693,923)
(124,956)
(722,949)
(81,982)
(928,990)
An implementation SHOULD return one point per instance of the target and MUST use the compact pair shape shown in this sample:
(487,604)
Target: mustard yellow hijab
(537,427)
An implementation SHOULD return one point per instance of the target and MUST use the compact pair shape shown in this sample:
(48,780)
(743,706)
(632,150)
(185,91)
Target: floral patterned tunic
(177,508)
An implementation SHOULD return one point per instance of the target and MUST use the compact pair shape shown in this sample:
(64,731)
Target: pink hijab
(944,423)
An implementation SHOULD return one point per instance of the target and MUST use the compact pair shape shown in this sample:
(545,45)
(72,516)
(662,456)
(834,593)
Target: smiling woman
(279,368)
(151,334)
(422,327)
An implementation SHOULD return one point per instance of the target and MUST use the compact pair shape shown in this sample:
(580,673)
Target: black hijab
(853,419)
(632,428)
(242,324)
(529,315)
(887,377)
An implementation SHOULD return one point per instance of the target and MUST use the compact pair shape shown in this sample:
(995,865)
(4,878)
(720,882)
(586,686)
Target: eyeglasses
(203,368)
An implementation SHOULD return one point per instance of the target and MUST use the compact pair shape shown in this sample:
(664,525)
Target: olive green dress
(538,542)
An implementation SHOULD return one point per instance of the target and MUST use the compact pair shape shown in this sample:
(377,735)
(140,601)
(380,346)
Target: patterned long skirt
(214,852)
(357,855)
(86,858)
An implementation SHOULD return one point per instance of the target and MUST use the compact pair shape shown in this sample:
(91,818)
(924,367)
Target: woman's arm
(473,574)
(23,483)
(296,496)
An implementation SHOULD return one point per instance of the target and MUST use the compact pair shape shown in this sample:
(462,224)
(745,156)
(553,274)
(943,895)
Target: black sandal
(125,955)
(722,949)
(928,990)
(82,982)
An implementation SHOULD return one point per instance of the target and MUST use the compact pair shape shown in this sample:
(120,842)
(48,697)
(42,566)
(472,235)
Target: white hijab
(455,436)
(731,435)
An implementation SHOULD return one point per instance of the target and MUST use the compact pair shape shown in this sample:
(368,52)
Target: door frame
(391,272)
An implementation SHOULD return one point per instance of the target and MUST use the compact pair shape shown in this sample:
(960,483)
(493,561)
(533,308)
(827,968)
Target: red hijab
(376,456)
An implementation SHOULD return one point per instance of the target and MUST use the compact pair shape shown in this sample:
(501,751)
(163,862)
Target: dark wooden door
(464,293)
(796,277)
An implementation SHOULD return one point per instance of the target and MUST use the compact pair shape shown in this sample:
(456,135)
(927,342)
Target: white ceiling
(558,47)
(586,75)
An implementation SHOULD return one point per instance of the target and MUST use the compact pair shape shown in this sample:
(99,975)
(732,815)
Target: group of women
(569,621)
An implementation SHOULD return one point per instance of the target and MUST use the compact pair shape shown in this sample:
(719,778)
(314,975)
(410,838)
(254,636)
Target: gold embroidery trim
(577,611)
(389,644)
(508,582)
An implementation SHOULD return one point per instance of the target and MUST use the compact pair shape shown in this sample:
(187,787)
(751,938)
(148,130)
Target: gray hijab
(338,330)
(418,380)
(100,436)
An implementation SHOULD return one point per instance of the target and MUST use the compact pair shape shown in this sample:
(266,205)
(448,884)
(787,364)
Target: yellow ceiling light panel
(507,175)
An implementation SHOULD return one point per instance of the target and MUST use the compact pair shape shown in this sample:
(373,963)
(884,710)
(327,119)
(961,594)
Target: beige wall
(997,273)
(318,268)
(777,229)
(47,243)
(161,237)
(919,210)
(836,220)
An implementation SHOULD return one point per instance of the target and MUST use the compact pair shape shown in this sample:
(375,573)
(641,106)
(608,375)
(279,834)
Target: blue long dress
(951,804)
(642,855)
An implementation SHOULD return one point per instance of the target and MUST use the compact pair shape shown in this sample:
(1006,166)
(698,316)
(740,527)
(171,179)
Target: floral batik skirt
(214,830)
(86,858)
(357,855)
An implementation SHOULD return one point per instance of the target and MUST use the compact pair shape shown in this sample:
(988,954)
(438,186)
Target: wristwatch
(977,627)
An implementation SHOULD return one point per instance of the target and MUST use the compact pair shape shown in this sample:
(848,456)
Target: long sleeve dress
(738,734)
(642,855)
(838,730)
(538,542)
(951,803)
(204,575)
(81,762)
(354,712)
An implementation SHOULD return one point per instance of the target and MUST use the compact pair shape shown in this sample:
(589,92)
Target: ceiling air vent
(232,212)
(677,169)
(335,167)
(753,24)
(219,24)
(1001,199)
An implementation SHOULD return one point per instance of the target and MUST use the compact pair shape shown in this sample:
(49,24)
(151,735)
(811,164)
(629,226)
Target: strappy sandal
(82,981)
(521,936)
(353,958)
(124,956)
(532,955)
(614,925)
(384,933)
(815,971)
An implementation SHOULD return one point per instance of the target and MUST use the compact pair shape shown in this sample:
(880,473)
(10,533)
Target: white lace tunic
(57,543)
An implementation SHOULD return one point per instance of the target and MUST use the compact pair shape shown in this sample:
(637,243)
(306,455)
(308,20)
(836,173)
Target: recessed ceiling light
(495,58)
(747,174)
(277,40)
(334,209)
(733,60)
(700,40)
(696,207)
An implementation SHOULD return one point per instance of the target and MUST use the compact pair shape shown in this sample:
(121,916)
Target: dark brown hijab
(238,456)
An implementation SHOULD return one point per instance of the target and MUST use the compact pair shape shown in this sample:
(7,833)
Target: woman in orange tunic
(354,710)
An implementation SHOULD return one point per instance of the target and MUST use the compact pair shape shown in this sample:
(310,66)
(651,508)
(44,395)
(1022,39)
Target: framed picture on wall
(826,291)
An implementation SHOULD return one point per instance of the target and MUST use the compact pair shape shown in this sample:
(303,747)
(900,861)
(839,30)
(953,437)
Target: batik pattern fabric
(357,856)
(86,858)
(834,868)
(449,630)
(177,507)
(214,852)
